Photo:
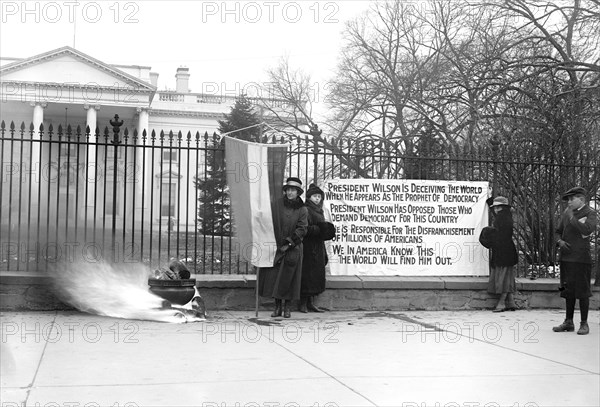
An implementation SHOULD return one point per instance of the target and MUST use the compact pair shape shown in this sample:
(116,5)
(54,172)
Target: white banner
(407,227)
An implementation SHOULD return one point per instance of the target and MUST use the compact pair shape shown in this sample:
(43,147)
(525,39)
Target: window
(110,152)
(68,151)
(110,199)
(168,198)
(169,155)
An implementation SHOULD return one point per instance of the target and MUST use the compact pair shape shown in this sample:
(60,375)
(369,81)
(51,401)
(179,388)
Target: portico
(73,92)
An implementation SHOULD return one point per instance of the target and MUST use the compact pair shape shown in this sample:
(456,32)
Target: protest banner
(407,227)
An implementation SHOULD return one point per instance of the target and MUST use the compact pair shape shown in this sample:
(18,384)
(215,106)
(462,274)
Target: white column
(36,164)
(143,121)
(91,170)
(92,116)
(38,115)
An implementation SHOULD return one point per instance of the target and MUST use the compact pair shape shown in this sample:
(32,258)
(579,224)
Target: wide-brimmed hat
(313,190)
(295,183)
(574,191)
(500,201)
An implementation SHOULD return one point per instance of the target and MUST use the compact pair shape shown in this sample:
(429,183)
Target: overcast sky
(226,45)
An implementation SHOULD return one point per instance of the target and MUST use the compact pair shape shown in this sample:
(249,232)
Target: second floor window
(169,155)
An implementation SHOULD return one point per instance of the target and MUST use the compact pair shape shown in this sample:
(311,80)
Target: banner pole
(256,299)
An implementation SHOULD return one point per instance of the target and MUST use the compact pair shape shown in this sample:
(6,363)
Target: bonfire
(122,291)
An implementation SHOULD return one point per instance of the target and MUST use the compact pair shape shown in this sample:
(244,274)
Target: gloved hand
(287,245)
(563,245)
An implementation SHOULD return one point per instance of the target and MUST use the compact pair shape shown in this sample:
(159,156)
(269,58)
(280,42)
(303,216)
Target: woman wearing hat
(315,255)
(282,282)
(503,256)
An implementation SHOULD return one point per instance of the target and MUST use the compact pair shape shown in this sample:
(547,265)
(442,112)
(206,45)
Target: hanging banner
(407,227)
(255,174)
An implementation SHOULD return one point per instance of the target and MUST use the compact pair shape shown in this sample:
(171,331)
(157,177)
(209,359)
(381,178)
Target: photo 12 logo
(69,11)
(71,404)
(269,12)
(465,404)
(453,332)
(266,404)
(237,332)
(70,332)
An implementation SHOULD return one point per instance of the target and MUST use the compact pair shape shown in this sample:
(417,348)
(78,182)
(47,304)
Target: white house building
(66,87)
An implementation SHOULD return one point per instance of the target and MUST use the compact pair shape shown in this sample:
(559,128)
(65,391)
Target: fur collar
(316,208)
(293,204)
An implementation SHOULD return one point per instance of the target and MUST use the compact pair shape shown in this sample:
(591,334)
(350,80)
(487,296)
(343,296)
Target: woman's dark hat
(313,190)
(574,191)
(294,182)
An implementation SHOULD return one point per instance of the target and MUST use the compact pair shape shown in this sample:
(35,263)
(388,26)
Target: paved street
(410,359)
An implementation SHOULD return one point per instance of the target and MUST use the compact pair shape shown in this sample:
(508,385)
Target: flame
(113,290)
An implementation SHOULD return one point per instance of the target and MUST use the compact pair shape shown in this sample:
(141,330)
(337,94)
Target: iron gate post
(315,132)
(116,123)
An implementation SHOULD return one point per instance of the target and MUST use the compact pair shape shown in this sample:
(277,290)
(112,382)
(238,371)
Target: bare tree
(289,108)
(518,79)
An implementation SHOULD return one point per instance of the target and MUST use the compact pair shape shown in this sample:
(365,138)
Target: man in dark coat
(576,225)
(282,282)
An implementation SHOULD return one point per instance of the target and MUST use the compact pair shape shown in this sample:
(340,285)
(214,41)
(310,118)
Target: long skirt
(502,280)
(282,283)
(575,279)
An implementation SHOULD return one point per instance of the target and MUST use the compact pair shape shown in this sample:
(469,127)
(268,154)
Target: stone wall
(33,292)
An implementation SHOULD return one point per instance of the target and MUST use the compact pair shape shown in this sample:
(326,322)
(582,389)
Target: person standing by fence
(576,225)
(503,256)
(282,282)
(315,256)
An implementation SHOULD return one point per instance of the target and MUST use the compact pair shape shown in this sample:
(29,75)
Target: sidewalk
(409,359)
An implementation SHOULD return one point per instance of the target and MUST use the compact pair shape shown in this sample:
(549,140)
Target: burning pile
(121,291)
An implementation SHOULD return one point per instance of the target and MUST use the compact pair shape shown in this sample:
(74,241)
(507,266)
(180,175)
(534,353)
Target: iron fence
(69,193)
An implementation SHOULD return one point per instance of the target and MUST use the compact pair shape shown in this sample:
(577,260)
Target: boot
(509,304)
(311,305)
(286,309)
(277,312)
(302,305)
(566,326)
(584,328)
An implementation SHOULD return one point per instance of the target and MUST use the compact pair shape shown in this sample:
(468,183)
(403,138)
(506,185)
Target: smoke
(119,291)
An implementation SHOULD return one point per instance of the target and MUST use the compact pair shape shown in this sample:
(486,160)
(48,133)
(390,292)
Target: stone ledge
(465,283)
(544,284)
(224,281)
(343,282)
(400,283)
(24,278)
(30,291)
(8,278)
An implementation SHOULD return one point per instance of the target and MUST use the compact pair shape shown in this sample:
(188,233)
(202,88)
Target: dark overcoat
(290,221)
(315,255)
(504,252)
(576,231)
(576,228)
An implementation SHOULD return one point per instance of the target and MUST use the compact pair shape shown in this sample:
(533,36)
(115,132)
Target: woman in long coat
(503,257)
(282,282)
(315,255)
